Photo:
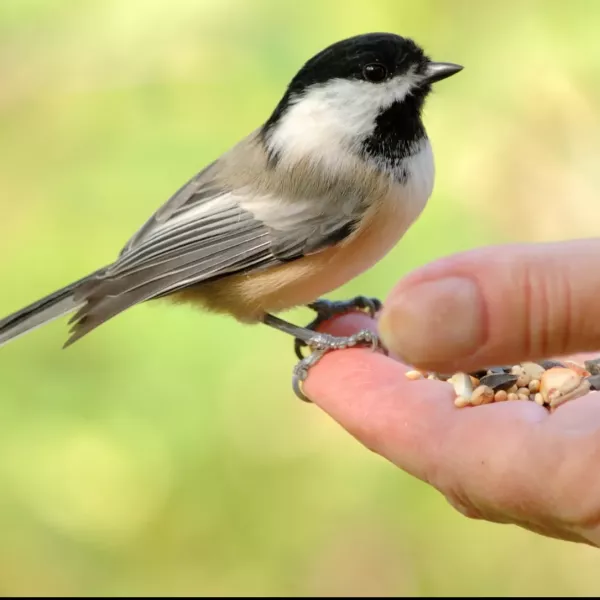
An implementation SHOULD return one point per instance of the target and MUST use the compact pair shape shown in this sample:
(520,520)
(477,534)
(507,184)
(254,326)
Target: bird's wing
(202,233)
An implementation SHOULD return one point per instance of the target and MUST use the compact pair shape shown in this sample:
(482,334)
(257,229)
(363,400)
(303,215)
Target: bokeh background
(165,453)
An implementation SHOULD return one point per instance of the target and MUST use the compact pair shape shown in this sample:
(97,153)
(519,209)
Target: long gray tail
(39,313)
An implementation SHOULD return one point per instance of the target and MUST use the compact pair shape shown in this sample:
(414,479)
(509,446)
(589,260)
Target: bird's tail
(39,313)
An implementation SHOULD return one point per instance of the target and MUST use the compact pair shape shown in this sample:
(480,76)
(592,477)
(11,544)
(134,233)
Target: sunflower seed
(499,381)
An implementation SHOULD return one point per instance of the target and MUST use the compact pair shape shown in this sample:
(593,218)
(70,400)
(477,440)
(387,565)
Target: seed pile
(548,383)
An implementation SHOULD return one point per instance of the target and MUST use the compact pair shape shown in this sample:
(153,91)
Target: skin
(510,462)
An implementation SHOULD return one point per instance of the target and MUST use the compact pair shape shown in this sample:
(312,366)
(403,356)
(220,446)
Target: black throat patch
(398,131)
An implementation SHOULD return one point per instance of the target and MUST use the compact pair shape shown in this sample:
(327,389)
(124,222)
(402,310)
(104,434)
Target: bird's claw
(326,309)
(320,344)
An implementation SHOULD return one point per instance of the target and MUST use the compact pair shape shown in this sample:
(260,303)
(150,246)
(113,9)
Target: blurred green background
(165,453)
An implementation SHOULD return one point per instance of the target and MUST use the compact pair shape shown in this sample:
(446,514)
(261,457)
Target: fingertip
(369,395)
(357,369)
(329,377)
(358,388)
(348,324)
(495,305)
(434,321)
(342,376)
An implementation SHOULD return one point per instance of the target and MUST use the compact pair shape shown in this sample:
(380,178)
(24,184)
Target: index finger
(413,423)
(369,395)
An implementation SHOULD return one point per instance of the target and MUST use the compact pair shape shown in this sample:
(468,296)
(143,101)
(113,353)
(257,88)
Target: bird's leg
(320,344)
(326,309)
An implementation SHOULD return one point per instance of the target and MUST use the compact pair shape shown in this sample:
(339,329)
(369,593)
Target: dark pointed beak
(436,71)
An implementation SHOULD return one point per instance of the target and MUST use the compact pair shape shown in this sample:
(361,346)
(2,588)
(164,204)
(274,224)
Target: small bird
(316,195)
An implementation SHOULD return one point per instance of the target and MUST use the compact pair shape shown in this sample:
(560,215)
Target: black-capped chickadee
(307,201)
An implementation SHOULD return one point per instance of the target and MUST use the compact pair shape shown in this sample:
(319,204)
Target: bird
(310,199)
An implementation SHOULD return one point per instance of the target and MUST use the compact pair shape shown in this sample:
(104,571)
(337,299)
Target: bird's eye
(375,72)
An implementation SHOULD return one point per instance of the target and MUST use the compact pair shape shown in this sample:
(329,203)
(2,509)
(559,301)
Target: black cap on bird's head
(371,57)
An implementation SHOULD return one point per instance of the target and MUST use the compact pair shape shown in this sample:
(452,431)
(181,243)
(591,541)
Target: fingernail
(433,322)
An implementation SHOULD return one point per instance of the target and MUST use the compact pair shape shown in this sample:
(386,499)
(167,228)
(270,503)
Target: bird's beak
(436,71)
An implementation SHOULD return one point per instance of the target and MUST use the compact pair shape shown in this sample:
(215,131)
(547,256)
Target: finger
(369,395)
(464,453)
(497,305)
(415,424)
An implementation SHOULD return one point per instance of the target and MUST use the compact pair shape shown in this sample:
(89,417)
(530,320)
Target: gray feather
(38,313)
(225,240)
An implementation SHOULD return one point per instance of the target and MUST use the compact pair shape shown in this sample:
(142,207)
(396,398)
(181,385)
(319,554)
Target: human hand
(509,462)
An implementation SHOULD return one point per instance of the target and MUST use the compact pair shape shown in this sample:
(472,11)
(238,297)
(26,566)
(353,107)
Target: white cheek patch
(334,116)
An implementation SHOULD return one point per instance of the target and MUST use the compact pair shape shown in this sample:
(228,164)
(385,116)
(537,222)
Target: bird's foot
(320,344)
(326,309)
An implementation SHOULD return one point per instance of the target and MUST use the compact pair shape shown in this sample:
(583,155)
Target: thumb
(497,305)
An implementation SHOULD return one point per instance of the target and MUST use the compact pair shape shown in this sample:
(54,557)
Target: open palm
(509,462)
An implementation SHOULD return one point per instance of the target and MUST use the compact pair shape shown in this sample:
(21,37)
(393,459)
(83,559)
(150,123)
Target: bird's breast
(249,297)
(388,216)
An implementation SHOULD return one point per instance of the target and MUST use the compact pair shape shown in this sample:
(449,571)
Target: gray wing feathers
(225,239)
(170,241)
(205,240)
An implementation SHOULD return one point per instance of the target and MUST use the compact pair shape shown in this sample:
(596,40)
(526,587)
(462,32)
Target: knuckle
(547,310)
